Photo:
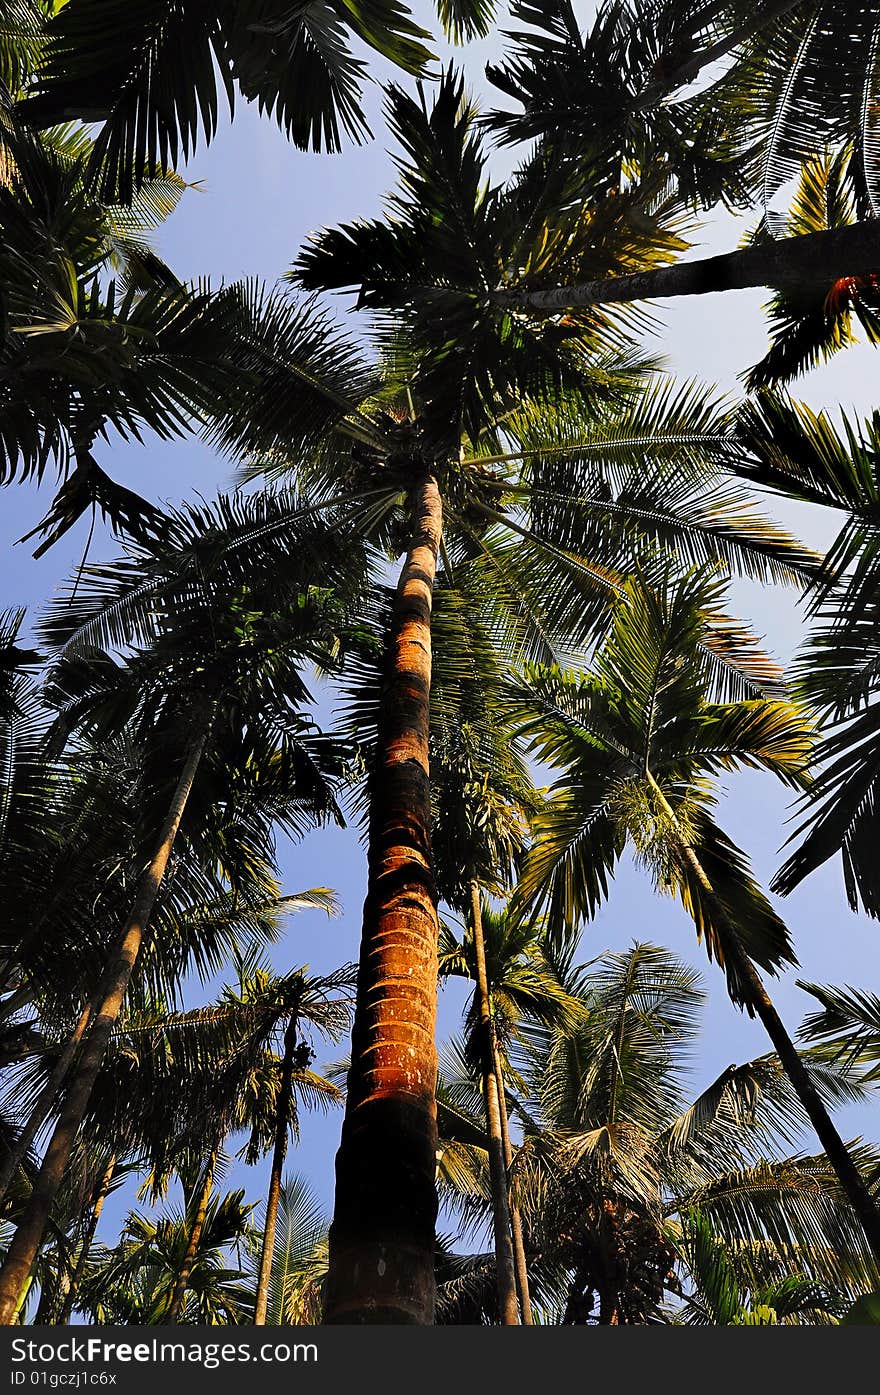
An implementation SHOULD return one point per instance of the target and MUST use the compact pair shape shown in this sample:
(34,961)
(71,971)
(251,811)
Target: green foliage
(641,745)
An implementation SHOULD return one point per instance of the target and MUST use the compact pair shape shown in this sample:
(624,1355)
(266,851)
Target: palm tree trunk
(382,1238)
(516,1230)
(505,1275)
(282,1123)
(195,1235)
(79,1268)
(814,259)
(851,1181)
(29,1234)
(49,1093)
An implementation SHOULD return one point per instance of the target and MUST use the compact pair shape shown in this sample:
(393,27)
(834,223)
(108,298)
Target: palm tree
(514,986)
(615,1157)
(291,1007)
(596,102)
(134,1281)
(122,69)
(298,1263)
(221,677)
(476,453)
(640,744)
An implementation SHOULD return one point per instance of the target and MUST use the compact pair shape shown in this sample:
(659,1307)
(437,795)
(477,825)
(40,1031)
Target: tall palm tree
(220,678)
(472,450)
(640,744)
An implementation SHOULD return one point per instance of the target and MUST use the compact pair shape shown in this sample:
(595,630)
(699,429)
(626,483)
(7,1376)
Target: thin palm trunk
(505,1275)
(49,1093)
(192,1248)
(815,258)
(516,1229)
(282,1122)
(382,1238)
(851,1181)
(29,1234)
(79,1268)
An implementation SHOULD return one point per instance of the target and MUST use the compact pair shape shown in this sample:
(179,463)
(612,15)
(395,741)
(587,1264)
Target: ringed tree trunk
(79,1268)
(813,259)
(28,1237)
(851,1181)
(382,1237)
(505,1276)
(282,1123)
(178,1293)
(516,1229)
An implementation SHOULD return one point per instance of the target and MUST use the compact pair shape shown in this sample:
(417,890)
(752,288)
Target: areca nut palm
(639,744)
(784,98)
(220,679)
(515,988)
(486,466)
(617,1152)
(133,1282)
(482,797)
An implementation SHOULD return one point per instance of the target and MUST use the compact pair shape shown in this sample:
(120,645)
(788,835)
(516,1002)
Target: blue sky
(257,200)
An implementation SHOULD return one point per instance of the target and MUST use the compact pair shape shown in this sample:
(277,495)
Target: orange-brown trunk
(382,1237)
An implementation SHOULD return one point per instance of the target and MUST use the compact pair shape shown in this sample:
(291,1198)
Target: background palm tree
(641,743)
(298,1267)
(596,103)
(615,1158)
(219,677)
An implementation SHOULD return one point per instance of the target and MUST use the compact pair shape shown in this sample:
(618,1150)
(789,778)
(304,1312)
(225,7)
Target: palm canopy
(194,1075)
(134,1282)
(607,103)
(101,340)
(640,745)
(120,65)
(810,456)
(617,94)
(450,236)
(718,1297)
(549,443)
(616,1154)
(594,98)
(524,987)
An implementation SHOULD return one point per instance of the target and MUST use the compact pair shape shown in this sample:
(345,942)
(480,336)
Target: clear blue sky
(258,200)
